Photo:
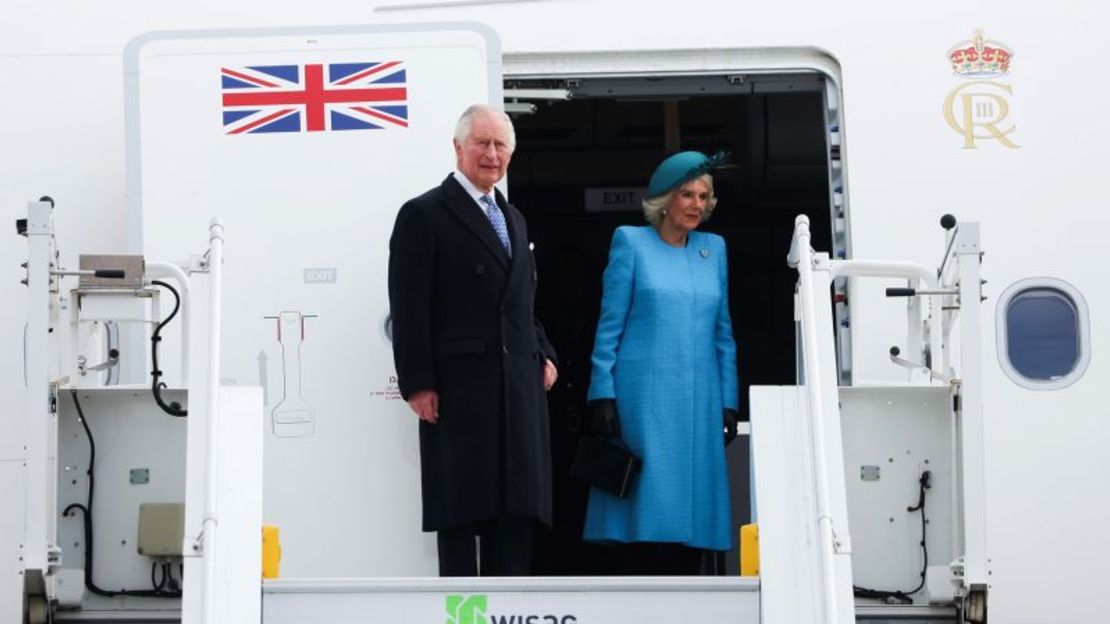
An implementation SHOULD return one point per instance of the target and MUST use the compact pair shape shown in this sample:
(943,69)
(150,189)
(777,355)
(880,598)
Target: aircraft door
(306,143)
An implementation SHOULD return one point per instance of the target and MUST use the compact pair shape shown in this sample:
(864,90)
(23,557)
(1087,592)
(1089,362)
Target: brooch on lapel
(704,253)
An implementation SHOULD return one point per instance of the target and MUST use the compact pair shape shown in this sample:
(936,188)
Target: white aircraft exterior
(1014,143)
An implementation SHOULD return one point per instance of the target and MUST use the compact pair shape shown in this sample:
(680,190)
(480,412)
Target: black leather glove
(604,422)
(730,418)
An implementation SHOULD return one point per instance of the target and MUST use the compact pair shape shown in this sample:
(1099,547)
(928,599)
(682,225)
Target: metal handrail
(210,521)
(803,255)
(909,271)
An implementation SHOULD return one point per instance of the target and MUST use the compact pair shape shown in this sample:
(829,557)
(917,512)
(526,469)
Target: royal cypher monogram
(978,109)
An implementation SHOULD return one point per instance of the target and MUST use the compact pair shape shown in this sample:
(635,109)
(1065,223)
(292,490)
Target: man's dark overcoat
(464,325)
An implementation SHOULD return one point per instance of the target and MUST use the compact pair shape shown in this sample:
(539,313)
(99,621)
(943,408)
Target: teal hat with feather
(681,168)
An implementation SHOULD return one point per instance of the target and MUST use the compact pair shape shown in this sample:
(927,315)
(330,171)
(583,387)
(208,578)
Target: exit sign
(616,199)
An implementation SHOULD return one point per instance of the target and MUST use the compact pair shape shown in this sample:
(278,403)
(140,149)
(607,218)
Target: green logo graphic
(466,609)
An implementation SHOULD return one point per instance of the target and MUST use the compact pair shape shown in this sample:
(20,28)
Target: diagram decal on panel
(292,416)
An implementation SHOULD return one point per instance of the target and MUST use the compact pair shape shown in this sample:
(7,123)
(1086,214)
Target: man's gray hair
(654,207)
(462,128)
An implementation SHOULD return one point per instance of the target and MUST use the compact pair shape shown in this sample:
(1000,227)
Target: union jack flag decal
(314,97)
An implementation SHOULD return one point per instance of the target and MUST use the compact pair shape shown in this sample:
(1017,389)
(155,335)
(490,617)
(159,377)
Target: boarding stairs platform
(541,600)
(534,600)
(831,517)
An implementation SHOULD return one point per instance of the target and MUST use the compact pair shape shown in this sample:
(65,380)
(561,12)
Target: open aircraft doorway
(579,171)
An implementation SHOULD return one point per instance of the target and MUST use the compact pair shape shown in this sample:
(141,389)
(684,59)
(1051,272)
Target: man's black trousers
(503,548)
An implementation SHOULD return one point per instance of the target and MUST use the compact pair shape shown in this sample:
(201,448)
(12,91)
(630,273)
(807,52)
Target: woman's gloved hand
(730,419)
(604,421)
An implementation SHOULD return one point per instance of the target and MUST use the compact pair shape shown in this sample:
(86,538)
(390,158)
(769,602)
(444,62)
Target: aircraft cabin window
(1042,334)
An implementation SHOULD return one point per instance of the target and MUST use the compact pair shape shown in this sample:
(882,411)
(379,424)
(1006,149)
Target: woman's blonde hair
(656,206)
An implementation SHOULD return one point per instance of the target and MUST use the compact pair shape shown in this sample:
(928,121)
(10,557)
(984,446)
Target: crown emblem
(980,57)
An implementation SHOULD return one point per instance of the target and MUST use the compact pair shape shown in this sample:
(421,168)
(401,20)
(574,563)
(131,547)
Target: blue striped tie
(497,220)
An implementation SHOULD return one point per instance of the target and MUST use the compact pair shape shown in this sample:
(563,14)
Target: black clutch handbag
(607,464)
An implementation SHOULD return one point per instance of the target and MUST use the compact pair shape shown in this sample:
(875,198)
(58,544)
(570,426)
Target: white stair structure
(843,474)
(845,478)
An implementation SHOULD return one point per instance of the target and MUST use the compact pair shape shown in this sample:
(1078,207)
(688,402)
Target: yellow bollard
(749,550)
(271,552)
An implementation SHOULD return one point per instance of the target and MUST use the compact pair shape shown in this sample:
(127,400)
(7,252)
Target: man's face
(485,155)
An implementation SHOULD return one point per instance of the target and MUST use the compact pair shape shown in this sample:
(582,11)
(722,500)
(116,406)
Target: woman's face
(687,205)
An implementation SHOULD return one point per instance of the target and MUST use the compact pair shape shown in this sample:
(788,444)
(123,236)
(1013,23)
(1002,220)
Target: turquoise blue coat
(664,350)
